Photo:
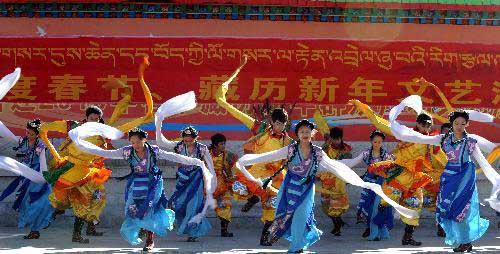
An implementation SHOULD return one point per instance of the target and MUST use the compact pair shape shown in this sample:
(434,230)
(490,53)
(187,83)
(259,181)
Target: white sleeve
(161,141)
(250,159)
(492,176)
(93,149)
(349,176)
(485,145)
(173,106)
(352,162)
(210,165)
(43,161)
(83,131)
(8,81)
(18,168)
(6,133)
(181,159)
(404,133)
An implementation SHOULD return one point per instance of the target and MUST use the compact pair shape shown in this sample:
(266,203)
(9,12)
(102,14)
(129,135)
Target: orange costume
(78,177)
(419,167)
(223,165)
(334,197)
(264,140)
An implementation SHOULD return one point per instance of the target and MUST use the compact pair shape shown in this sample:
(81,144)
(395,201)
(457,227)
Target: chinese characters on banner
(314,74)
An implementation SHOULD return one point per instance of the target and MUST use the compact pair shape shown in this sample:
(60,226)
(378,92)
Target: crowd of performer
(281,169)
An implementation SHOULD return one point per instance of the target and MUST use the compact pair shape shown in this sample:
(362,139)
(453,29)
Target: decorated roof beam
(476,5)
(237,12)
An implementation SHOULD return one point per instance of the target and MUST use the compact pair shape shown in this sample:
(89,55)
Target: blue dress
(188,198)
(294,218)
(380,220)
(32,202)
(458,207)
(145,200)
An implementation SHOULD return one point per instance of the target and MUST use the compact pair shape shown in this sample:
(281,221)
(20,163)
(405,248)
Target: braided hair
(452,117)
(374,134)
(141,134)
(34,125)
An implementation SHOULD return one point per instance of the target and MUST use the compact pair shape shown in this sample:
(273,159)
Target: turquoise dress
(32,202)
(458,206)
(145,200)
(294,218)
(188,198)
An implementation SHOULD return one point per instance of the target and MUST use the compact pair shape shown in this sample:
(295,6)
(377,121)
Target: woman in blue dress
(457,206)
(145,200)
(35,210)
(379,219)
(189,198)
(294,217)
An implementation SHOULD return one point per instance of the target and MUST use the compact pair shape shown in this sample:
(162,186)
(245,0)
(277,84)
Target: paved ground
(57,240)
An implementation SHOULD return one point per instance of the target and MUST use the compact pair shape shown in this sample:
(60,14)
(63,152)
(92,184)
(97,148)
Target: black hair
(424,118)
(336,133)
(93,109)
(376,133)
(446,125)
(189,131)
(218,138)
(458,113)
(279,114)
(141,134)
(34,125)
(303,122)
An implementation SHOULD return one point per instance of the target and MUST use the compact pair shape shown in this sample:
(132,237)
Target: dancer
(268,136)
(224,162)
(189,198)
(77,177)
(31,200)
(413,168)
(457,206)
(378,215)
(145,200)
(294,217)
(334,197)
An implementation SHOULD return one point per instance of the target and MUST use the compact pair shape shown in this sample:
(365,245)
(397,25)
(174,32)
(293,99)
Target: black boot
(150,243)
(337,226)
(463,248)
(224,224)
(32,235)
(192,239)
(408,236)
(57,213)
(91,230)
(77,231)
(250,203)
(264,237)
(440,231)
(366,233)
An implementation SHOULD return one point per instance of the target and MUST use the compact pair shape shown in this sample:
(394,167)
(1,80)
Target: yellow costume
(421,165)
(334,198)
(263,141)
(77,177)
(223,165)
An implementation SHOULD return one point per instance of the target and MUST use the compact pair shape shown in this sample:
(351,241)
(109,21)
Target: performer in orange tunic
(223,164)
(78,177)
(268,136)
(416,166)
(334,198)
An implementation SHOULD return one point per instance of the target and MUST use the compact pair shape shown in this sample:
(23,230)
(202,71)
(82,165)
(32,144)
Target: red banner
(315,74)
(285,71)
